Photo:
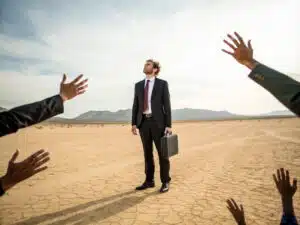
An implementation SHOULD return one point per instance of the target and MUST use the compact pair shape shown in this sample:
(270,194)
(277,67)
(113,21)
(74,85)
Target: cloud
(108,41)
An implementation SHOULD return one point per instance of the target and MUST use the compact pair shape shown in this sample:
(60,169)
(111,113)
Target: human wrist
(251,64)
(242,222)
(5,183)
(287,205)
(63,98)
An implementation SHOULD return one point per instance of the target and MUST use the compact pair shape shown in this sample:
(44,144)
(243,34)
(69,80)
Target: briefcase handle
(168,134)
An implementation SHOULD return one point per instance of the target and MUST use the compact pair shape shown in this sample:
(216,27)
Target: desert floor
(94,170)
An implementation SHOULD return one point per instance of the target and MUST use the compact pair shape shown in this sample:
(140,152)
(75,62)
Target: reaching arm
(288,217)
(26,115)
(286,191)
(135,107)
(167,105)
(282,87)
(20,171)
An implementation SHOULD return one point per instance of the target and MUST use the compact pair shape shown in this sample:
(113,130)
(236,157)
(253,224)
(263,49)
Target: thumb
(295,185)
(64,79)
(249,45)
(14,157)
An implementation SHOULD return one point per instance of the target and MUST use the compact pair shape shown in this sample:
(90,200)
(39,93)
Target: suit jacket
(285,89)
(26,115)
(160,103)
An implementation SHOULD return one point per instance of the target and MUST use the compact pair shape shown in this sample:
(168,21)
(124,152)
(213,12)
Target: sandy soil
(94,170)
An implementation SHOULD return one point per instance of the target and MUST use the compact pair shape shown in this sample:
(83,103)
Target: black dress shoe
(145,185)
(164,187)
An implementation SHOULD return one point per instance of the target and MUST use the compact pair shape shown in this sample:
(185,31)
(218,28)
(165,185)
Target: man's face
(148,68)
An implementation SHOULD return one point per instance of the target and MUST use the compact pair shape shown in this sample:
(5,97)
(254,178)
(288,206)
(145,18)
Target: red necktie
(146,106)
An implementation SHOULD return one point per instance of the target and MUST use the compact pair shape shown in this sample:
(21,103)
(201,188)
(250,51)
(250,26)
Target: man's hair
(156,65)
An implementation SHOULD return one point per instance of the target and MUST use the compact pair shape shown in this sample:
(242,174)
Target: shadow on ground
(72,214)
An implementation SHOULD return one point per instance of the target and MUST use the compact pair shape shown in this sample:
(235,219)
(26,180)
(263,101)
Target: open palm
(241,53)
(19,171)
(72,89)
(237,213)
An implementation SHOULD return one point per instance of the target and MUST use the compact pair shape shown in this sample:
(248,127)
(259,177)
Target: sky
(109,41)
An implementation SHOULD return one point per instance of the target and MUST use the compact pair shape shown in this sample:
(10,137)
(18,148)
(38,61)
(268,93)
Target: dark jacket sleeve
(29,114)
(167,105)
(285,89)
(135,107)
(288,220)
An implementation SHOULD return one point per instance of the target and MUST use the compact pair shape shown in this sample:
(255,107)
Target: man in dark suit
(151,114)
(285,89)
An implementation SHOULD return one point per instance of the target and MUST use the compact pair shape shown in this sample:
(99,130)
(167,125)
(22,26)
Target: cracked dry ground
(94,171)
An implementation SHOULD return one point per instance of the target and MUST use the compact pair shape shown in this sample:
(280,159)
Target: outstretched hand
(237,213)
(283,184)
(72,89)
(17,172)
(241,53)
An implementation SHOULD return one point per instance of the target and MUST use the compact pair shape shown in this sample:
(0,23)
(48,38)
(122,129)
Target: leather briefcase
(169,145)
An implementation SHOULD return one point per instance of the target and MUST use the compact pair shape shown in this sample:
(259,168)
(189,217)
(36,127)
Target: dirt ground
(94,170)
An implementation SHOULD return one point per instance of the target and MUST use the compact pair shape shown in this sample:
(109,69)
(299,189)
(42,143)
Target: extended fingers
(39,170)
(229,44)
(283,177)
(81,83)
(29,172)
(287,177)
(42,159)
(275,179)
(81,90)
(278,175)
(36,159)
(239,38)
(76,79)
(36,154)
(234,203)
(233,40)
(231,204)
(242,208)
(230,53)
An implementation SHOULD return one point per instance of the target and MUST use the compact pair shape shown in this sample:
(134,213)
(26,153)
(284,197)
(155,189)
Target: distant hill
(280,113)
(106,116)
(177,114)
(201,114)
(185,114)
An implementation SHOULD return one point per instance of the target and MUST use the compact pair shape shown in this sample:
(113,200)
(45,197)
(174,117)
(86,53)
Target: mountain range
(185,114)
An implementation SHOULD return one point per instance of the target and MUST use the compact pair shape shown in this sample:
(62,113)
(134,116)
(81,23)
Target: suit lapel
(154,88)
(142,87)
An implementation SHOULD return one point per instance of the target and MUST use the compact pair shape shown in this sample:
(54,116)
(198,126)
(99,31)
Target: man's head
(152,67)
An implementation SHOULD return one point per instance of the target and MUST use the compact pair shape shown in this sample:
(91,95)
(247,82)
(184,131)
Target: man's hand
(286,190)
(134,130)
(72,89)
(283,184)
(17,172)
(241,53)
(237,213)
(168,130)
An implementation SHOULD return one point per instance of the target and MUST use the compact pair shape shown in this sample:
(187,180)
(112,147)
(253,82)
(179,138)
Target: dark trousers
(149,132)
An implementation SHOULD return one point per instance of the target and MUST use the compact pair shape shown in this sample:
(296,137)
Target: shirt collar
(150,79)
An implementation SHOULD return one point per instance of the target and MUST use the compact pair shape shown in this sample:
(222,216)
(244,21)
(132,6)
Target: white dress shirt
(151,85)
